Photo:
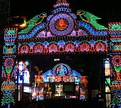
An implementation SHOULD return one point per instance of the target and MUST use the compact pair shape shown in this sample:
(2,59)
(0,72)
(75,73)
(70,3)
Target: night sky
(101,8)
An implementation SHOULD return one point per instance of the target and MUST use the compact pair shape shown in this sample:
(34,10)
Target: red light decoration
(84,80)
(38,48)
(24,49)
(9,62)
(116,60)
(84,47)
(100,46)
(61,24)
(69,48)
(53,48)
(8,86)
(61,33)
(38,78)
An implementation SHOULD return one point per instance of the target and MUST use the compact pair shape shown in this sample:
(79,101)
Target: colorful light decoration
(90,18)
(9,62)
(38,78)
(114,26)
(116,84)
(23,75)
(61,33)
(59,74)
(9,49)
(63,46)
(116,60)
(61,24)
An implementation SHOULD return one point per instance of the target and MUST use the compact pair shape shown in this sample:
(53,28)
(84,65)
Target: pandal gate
(62,32)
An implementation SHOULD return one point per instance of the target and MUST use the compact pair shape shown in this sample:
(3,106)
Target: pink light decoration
(84,47)
(100,46)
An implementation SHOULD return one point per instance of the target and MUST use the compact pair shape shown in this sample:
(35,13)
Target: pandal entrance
(62,32)
(60,82)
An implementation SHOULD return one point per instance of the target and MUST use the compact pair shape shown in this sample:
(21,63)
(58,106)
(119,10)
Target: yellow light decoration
(23,25)
(5,87)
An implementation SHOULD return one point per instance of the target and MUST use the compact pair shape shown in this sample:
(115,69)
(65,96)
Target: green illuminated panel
(108,81)
(10,32)
(115,27)
(117,47)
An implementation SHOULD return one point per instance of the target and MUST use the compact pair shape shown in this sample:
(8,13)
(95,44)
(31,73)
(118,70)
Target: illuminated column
(116,83)
(115,61)
(8,67)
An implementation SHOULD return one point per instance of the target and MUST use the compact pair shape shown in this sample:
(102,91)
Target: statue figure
(38,78)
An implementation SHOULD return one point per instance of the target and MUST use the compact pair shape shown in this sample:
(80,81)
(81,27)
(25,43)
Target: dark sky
(100,8)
